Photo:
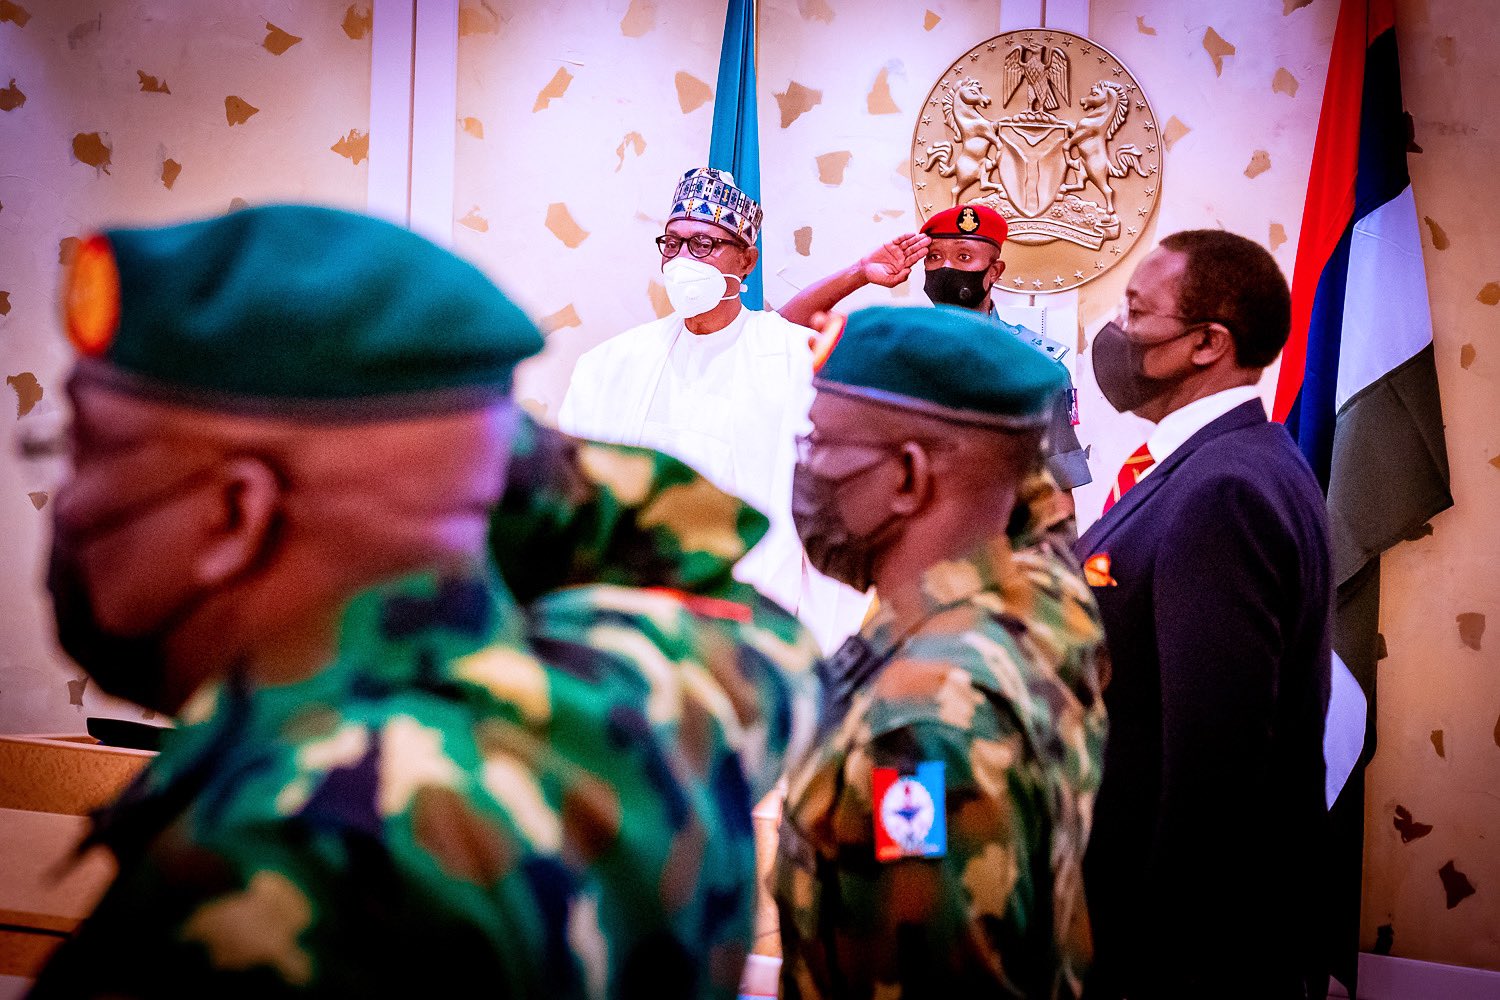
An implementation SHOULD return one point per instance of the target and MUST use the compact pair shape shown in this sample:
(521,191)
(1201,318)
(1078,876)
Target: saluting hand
(890,263)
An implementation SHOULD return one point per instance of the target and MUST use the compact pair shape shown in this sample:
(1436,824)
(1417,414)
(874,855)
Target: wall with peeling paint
(575,121)
(572,125)
(133,112)
(1438,717)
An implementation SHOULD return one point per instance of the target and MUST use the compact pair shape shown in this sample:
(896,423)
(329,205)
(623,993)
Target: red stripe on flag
(1382,18)
(1330,187)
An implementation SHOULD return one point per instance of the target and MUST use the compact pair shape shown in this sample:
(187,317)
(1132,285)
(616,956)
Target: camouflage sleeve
(265,909)
(748,667)
(577,511)
(971,922)
(1043,512)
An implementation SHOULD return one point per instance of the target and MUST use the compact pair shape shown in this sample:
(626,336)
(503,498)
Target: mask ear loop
(737,293)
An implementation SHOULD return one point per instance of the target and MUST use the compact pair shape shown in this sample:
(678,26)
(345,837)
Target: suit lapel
(1245,415)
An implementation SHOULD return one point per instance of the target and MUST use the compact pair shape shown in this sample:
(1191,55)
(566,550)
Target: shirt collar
(1182,423)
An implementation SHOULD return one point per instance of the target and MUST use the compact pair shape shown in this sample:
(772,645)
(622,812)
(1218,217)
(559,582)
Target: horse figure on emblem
(1105,107)
(966,156)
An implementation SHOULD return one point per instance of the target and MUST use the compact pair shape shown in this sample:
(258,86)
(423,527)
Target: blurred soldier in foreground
(932,840)
(292,428)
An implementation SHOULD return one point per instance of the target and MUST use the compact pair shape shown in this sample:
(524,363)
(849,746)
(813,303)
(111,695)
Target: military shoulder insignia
(1096,571)
(910,812)
(968,220)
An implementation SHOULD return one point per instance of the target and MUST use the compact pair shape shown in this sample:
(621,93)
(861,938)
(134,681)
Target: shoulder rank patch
(910,813)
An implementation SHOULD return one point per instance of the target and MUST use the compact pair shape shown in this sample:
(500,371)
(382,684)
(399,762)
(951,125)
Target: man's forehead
(112,416)
(1158,276)
(694,227)
(832,409)
(953,244)
(837,415)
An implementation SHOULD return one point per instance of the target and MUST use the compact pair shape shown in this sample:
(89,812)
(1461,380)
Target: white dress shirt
(1182,423)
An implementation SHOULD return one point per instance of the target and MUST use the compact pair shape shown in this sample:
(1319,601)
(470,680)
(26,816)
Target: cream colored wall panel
(127,119)
(575,121)
(1438,710)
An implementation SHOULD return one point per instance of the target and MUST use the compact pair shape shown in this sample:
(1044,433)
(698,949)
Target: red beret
(969,222)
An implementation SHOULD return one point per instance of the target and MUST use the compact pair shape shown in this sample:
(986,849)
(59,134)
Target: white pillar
(434,117)
(1018,14)
(391,36)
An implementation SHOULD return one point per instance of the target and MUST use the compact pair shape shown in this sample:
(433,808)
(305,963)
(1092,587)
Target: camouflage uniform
(550,802)
(578,511)
(999,684)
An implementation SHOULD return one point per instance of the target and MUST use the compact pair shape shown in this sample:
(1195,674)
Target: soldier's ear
(238,522)
(916,481)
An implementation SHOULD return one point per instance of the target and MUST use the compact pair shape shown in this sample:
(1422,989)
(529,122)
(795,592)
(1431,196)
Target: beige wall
(1437,683)
(78,63)
(605,140)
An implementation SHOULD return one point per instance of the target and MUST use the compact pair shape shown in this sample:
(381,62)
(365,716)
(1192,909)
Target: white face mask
(694,287)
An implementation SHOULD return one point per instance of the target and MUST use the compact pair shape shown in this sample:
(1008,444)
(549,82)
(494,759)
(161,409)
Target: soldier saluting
(960,250)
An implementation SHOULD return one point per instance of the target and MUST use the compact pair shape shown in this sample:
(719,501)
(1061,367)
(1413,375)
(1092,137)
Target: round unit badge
(907,811)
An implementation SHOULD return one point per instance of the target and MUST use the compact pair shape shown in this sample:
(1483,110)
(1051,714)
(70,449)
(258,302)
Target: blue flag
(735,145)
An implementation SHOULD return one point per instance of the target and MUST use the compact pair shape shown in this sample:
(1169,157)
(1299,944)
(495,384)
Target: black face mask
(1119,368)
(133,667)
(948,286)
(832,548)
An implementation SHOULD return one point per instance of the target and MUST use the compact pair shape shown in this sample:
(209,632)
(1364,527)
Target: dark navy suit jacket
(1201,868)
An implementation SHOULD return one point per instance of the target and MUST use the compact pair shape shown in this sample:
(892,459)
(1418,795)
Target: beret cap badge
(91,303)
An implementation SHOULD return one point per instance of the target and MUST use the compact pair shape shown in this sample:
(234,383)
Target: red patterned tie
(1130,473)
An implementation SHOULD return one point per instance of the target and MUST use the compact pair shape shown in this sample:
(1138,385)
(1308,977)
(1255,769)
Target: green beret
(294,309)
(944,361)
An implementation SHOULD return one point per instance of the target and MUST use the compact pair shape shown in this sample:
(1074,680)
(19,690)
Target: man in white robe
(720,387)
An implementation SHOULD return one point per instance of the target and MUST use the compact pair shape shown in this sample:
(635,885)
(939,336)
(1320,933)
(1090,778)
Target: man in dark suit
(1211,569)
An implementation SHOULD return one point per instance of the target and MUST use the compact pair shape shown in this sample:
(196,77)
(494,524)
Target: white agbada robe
(729,404)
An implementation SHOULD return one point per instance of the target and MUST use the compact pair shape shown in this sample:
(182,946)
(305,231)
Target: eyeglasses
(1128,316)
(699,246)
(808,443)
